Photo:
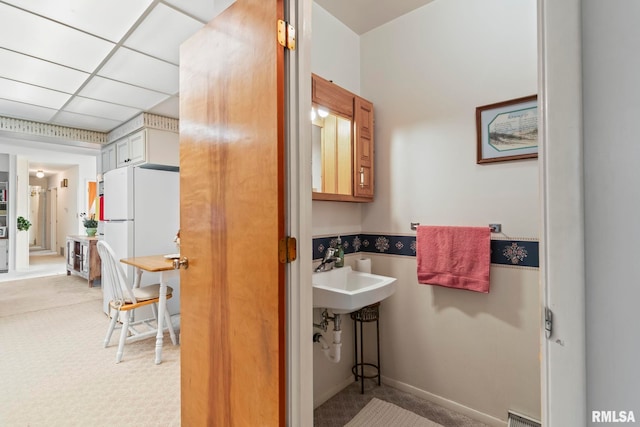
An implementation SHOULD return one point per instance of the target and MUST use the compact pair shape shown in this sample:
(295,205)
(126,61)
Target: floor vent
(516,420)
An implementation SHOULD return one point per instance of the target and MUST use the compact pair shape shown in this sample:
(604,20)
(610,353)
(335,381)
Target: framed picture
(507,130)
(3,231)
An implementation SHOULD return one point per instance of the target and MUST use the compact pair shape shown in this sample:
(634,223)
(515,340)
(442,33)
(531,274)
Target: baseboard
(446,403)
(319,400)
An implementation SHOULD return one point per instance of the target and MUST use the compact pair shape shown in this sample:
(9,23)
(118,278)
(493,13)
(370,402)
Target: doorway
(38,217)
(45,257)
(45,254)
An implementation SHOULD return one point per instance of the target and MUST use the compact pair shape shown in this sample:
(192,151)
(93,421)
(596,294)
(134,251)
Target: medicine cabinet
(342,138)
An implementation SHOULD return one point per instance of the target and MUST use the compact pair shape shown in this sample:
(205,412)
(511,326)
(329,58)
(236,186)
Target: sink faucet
(330,256)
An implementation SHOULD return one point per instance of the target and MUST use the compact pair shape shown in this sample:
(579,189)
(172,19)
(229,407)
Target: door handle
(182,262)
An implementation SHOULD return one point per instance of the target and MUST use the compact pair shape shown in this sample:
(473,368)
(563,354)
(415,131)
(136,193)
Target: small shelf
(83,259)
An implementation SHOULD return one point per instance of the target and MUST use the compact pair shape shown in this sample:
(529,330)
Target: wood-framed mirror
(342,138)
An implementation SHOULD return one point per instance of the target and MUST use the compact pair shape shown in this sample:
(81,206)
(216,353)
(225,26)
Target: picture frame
(507,130)
(3,232)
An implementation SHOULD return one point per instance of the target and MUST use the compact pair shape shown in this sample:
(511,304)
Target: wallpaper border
(512,252)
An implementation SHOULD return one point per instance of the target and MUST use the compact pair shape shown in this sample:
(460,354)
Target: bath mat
(379,413)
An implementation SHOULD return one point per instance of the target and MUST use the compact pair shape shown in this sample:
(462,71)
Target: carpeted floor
(54,370)
(35,294)
(42,263)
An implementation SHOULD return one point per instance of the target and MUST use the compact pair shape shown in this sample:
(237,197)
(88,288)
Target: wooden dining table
(164,266)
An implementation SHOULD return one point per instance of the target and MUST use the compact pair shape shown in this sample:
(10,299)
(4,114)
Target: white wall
(335,51)
(426,72)
(335,55)
(611,66)
(71,202)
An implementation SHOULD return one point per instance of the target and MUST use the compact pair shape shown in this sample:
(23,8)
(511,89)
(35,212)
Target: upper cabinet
(343,144)
(146,147)
(131,150)
(108,158)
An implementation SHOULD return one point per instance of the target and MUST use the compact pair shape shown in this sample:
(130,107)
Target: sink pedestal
(369,313)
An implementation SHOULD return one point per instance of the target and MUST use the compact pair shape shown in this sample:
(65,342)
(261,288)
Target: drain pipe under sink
(337,337)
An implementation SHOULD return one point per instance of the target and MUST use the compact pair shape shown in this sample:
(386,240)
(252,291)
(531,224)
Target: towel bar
(495,228)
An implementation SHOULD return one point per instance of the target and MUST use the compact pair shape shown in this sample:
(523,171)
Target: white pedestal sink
(343,290)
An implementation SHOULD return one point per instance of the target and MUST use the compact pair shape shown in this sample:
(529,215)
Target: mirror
(331,139)
(342,144)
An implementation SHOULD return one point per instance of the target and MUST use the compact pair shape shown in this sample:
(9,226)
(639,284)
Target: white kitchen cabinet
(150,147)
(130,150)
(108,158)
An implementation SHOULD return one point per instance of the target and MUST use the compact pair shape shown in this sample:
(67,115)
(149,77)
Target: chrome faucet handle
(330,253)
(330,256)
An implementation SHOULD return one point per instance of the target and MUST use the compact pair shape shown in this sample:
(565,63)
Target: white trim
(298,147)
(446,403)
(143,120)
(62,134)
(562,272)
(51,132)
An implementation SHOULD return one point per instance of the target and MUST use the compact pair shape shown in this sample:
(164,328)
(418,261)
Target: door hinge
(287,249)
(286,35)
(548,322)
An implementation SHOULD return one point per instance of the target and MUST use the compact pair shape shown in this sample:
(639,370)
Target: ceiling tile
(34,71)
(81,121)
(30,94)
(107,110)
(169,108)
(30,34)
(108,19)
(19,110)
(142,70)
(162,32)
(121,93)
(205,10)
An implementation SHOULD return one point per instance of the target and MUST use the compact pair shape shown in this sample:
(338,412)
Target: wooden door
(363,153)
(232,216)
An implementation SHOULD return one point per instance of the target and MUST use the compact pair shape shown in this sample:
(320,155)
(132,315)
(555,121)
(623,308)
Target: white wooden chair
(126,299)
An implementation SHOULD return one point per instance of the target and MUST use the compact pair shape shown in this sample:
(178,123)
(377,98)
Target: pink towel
(455,257)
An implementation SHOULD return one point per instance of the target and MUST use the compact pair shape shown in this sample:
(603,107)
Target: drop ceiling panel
(107,110)
(19,110)
(81,121)
(30,34)
(152,37)
(108,19)
(29,94)
(121,93)
(142,70)
(34,71)
(168,108)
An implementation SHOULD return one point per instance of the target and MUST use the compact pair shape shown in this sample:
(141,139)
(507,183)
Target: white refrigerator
(142,217)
